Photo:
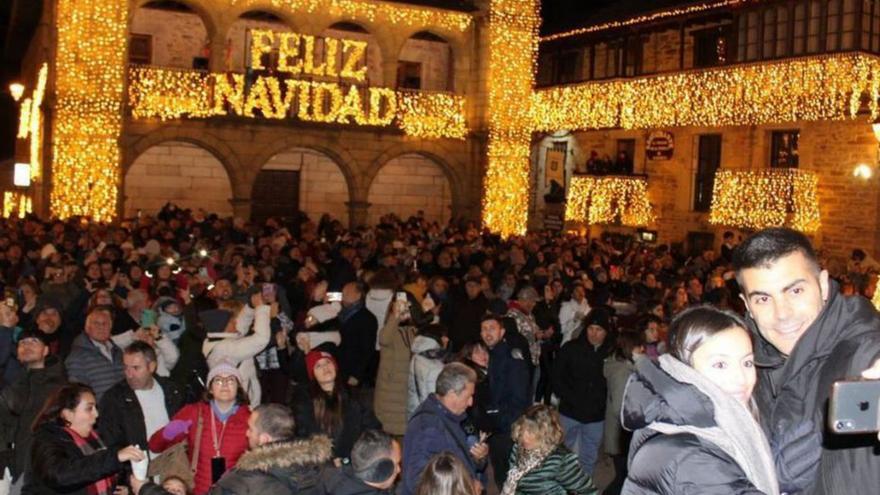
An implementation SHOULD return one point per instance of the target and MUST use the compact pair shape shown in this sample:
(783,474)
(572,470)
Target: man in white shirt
(139,405)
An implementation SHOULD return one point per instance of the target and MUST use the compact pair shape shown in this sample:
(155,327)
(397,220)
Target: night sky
(562,14)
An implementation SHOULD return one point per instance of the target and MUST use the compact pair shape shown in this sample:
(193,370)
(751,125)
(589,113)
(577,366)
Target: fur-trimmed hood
(315,450)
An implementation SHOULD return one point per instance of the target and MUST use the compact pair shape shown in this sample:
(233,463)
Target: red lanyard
(217,444)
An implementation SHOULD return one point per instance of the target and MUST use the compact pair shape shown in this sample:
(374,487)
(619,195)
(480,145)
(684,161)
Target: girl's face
(325,372)
(83,417)
(727,360)
(224,388)
(480,356)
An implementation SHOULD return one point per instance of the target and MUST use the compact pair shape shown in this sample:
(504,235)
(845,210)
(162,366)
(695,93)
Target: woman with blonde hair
(540,463)
(445,474)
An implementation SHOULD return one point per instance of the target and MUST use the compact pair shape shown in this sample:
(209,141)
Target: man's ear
(746,302)
(823,285)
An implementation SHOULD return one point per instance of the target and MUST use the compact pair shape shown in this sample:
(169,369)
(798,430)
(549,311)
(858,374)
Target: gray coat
(87,365)
(617,372)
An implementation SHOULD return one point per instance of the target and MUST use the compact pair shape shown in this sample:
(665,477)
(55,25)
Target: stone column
(241,207)
(357,213)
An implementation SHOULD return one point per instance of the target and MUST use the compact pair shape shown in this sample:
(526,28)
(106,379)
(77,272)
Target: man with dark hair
(94,359)
(808,336)
(358,329)
(141,404)
(22,400)
(275,463)
(375,464)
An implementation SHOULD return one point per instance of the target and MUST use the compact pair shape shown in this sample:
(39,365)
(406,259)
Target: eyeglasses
(225,380)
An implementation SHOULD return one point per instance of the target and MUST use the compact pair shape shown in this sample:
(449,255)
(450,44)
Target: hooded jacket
(279,468)
(344,482)
(690,437)
(424,368)
(842,342)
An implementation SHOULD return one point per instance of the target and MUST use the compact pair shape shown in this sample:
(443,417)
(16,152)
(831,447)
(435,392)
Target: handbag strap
(198,444)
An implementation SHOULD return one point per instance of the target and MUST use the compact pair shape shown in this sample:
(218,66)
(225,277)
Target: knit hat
(312,359)
(33,333)
(223,368)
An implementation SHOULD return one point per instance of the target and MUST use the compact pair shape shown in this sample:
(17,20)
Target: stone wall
(408,184)
(182,173)
(177,37)
(322,187)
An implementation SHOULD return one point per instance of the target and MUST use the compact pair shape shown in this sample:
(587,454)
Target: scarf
(526,460)
(223,416)
(103,486)
(737,433)
(348,311)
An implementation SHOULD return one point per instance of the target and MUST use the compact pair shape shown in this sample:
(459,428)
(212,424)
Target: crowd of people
(185,353)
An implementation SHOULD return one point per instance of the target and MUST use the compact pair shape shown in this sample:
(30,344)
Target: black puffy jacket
(680,463)
(280,468)
(59,466)
(843,341)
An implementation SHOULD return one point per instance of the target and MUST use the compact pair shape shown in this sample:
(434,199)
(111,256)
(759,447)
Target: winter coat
(356,418)
(509,385)
(21,402)
(433,429)
(234,443)
(279,468)
(241,349)
(343,482)
(122,422)
(10,368)
(842,342)
(358,345)
(424,368)
(378,302)
(617,371)
(87,365)
(559,473)
(578,379)
(59,466)
(392,380)
(689,436)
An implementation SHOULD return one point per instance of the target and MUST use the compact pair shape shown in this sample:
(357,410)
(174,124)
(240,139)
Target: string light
(756,199)
(174,93)
(654,16)
(16,204)
(36,124)
(604,200)
(371,11)
(513,52)
(90,65)
(815,88)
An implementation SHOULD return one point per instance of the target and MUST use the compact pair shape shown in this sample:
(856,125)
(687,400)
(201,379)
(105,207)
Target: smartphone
(203,272)
(334,297)
(854,406)
(269,291)
(401,297)
(148,318)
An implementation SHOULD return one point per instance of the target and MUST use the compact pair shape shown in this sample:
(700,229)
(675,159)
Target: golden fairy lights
(611,199)
(172,93)
(30,123)
(816,88)
(89,82)
(756,199)
(16,204)
(370,11)
(513,40)
(653,16)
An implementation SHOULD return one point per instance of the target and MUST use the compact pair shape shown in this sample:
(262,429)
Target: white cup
(139,468)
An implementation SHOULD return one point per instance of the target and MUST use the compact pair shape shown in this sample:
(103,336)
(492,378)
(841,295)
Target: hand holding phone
(854,406)
(148,318)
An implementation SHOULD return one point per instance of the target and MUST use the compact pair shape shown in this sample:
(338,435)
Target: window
(567,67)
(623,162)
(140,49)
(409,75)
(708,162)
(784,149)
(710,47)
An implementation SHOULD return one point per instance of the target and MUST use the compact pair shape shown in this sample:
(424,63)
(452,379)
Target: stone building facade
(767,32)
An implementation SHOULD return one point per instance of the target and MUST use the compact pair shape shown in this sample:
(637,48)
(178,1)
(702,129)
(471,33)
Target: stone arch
(409,183)
(323,184)
(236,32)
(438,66)
(178,171)
(182,39)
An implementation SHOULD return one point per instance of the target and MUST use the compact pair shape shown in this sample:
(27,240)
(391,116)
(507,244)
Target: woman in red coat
(224,415)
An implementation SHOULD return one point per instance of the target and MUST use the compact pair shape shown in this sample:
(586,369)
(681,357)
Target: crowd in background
(407,356)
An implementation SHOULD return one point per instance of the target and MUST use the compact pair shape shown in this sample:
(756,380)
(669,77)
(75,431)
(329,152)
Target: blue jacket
(509,385)
(431,430)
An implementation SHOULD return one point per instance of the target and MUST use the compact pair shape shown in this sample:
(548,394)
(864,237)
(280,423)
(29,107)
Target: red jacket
(234,440)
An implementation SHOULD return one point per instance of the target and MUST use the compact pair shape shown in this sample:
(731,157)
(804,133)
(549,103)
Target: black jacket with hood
(280,468)
(843,341)
(690,437)
(579,379)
